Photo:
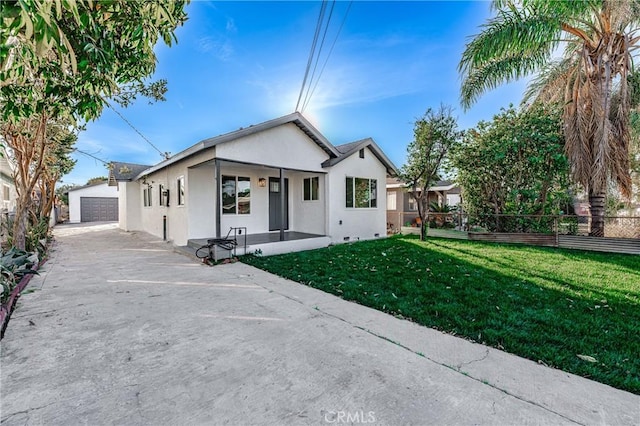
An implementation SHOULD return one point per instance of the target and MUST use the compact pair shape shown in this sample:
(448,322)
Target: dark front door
(275,209)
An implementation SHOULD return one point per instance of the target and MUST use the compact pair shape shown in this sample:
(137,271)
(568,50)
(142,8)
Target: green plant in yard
(14,264)
(514,165)
(434,135)
(544,304)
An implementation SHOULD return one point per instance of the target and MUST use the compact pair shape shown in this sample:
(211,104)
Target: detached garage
(93,203)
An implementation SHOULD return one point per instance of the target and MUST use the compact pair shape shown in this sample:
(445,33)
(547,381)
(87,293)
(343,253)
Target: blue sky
(242,63)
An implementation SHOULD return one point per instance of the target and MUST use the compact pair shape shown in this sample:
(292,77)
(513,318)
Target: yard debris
(587,358)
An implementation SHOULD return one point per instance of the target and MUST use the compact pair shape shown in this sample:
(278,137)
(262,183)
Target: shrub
(14,264)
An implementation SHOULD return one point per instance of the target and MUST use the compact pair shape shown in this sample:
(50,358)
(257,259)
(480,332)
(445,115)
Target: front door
(275,206)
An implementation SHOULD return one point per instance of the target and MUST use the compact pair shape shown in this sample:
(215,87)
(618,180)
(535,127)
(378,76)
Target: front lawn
(572,310)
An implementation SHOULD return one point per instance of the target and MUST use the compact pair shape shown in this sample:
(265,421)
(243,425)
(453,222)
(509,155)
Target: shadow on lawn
(437,288)
(542,272)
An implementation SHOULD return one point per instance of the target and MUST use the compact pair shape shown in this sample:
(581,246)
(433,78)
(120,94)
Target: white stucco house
(8,194)
(282,180)
(97,202)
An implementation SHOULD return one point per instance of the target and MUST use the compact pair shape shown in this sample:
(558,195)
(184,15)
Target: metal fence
(614,227)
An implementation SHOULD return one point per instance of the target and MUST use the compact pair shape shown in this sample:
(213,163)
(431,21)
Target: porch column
(283,206)
(218,184)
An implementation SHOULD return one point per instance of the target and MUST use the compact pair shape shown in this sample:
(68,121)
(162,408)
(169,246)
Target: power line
(313,49)
(315,67)
(92,156)
(344,19)
(164,155)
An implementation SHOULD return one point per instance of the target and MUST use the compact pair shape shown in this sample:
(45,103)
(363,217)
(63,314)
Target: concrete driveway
(123,330)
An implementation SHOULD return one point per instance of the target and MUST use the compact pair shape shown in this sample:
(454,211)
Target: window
(146,195)
(5,192)
(181,191)
(310,189)
(391,200)
(361,192)
(413,205)
(361,153)
(161,194)
(236,195)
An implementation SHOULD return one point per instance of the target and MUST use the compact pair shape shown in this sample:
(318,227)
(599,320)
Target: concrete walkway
(122,330)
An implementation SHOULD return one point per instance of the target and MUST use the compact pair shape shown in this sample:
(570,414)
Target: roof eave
(392,171)
(295,118)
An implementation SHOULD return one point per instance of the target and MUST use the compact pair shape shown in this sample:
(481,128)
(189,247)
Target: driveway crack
(454,368)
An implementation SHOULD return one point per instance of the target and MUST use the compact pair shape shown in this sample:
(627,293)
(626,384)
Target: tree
(600,37)
(40,162)
(97,179)
(64,61)
(514,165)
(435,133)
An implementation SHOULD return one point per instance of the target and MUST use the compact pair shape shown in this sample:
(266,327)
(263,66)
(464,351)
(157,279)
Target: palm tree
(600,38)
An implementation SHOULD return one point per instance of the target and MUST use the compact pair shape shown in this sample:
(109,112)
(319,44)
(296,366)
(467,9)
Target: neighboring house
(402,208)
(8,194)
(93,203)
(281,179)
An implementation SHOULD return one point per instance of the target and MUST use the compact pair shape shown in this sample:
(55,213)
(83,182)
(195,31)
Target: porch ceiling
(249,165)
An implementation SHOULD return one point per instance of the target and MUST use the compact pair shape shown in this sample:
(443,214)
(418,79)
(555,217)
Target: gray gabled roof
(295,118)
(124,172)
(351,148)
(75,188)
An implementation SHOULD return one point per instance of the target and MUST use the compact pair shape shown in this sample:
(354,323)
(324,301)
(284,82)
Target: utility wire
(312,52)
(164,155)
(304,106)
(92,156)
(315,66)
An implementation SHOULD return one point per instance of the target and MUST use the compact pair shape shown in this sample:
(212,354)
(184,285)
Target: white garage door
(98,209)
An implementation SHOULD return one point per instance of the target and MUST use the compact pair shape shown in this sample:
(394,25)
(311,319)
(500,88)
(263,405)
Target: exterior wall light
(262,182)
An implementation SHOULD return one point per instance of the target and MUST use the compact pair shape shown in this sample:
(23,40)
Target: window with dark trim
(181,191)
(361,153)
(311,188)
(236,195)
(361,193)
(161,194)
(146,195)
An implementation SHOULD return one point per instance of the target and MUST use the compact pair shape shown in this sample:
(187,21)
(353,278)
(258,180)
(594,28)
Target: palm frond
(549,84)
(518,39)
(493,73)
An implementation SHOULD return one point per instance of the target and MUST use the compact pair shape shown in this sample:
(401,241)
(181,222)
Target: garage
(98,209)
(93,203)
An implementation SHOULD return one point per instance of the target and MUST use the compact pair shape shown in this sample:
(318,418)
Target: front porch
(269,243)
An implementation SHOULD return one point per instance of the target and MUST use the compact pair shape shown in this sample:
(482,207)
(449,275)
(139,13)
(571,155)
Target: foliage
(544,304)
(79,54)
(62,192)
(14,264)
(41,151)
(97,179)
(60,63)
(600,38)
(435,134)
(514,165)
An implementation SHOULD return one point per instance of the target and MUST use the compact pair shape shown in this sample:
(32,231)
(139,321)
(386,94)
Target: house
(97,202)
(402,209)
(281,181)
(8,194)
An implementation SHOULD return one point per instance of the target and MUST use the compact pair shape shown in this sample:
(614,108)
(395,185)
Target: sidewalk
(122,329)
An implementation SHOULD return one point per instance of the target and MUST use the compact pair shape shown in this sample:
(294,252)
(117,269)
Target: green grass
(544,304)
